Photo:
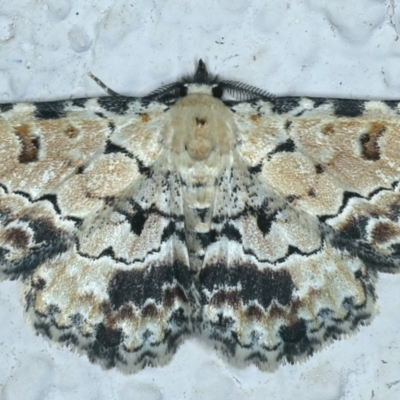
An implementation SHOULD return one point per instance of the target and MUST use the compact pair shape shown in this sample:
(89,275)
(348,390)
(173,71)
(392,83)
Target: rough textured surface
(282,65)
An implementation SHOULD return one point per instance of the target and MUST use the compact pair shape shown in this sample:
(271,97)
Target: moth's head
(203,82)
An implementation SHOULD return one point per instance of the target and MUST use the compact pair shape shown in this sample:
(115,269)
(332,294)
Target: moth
(207,208)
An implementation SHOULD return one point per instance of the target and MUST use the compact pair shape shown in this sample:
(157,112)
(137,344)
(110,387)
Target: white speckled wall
(310,47)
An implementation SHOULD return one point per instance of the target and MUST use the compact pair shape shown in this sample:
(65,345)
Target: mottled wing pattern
(91,218)
(309,212)
(259,224)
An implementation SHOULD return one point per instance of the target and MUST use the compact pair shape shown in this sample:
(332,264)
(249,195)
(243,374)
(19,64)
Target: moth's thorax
(199,127)
(200,135)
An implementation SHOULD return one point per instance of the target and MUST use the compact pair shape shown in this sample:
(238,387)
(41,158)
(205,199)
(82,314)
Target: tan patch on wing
(332,155)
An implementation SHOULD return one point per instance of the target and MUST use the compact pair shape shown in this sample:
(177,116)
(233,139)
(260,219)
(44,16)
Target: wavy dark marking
(114,148)
(376,191)
(138,285)
(347,196)
(51,198)
(107,252)
(290,251)
(264,285)
(152,209)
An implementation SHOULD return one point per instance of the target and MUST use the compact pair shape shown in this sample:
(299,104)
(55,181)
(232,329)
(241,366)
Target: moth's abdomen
(198,211)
